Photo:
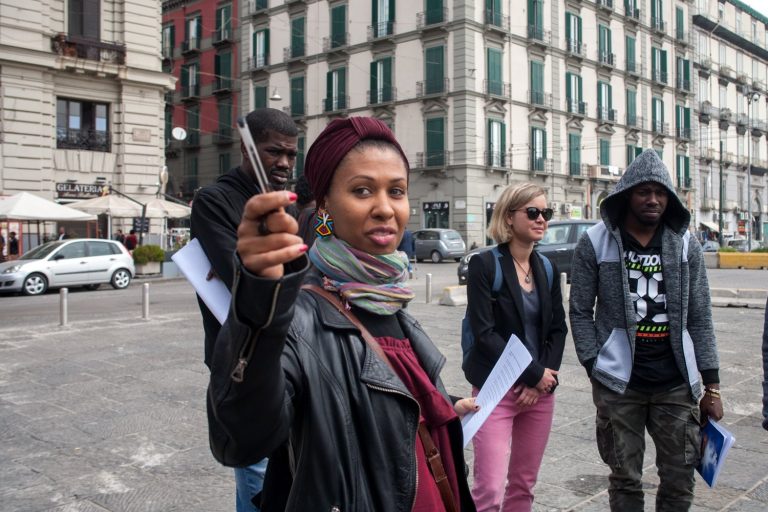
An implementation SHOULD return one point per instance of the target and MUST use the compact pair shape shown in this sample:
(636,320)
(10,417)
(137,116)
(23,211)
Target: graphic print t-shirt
(654,367)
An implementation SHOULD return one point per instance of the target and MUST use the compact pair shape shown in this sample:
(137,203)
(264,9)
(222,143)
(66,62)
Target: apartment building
(200,48)
(731,120)
(81,98)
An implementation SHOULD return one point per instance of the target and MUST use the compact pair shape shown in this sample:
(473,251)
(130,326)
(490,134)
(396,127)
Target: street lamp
(752,97)
(723,125)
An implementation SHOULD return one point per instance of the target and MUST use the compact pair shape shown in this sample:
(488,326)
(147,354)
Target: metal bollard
(63,306)
(564,286)
(145,301)
(429,288)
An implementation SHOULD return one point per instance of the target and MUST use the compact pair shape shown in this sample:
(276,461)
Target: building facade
(564,93)
(730,58)
(200,48)
(81,98)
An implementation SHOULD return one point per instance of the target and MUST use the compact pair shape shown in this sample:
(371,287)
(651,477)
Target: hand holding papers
(513,361)
(194,264)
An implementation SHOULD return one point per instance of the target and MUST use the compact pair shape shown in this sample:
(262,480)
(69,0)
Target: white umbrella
(159,208)
(112,204)
(26,206)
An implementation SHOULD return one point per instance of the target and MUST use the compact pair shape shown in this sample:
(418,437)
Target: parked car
(558,245)
(438,244)
(740,244)
(710,246)
(87,262)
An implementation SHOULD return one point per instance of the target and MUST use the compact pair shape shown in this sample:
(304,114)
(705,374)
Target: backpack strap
(498,277)
(548,270)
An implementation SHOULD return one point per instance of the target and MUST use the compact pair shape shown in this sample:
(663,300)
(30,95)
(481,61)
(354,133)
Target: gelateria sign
(79,190)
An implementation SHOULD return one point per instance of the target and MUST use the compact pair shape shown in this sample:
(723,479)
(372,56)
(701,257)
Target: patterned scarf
(374,283)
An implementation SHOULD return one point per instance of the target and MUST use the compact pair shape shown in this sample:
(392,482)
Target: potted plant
(148,259)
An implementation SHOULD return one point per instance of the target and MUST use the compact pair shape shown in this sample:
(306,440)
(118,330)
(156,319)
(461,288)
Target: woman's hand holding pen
(266,236)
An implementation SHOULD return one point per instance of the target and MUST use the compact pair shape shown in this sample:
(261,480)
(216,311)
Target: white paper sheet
(513,361)
(194,264)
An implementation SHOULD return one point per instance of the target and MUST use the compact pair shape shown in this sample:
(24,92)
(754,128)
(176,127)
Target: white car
(87,262)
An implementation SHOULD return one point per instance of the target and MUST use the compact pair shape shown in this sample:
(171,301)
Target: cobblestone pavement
(110,416)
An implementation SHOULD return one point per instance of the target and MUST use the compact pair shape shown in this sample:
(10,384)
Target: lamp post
(723,125)
(752,97)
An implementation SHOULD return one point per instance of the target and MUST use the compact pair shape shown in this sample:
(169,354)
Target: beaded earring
(323,223)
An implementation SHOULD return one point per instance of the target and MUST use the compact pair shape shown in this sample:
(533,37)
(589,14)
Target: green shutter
(338,26)
(503,148)
(568,91)
(663,55)
(434,69)
(578,30)
(632,106)
(600,95)
(630,154)
(297,96)
(687,72)
(297,37)
(687,171)
(260,96)
(435,141)
(184,78)
(679,23)
(630,46)
(654,58)
(568,35)
(605,152)
(434,11)
(653,113)
(537,82)
(373,95)
(580,86)
(494,73)
(386,65)
(653,9)
(602,39)
(375,16)
(329,91)
(299,157)
(342,80)
(574,154)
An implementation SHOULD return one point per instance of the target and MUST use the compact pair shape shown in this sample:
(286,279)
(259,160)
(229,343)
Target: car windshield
(41,251)
(555,235)
(452,235)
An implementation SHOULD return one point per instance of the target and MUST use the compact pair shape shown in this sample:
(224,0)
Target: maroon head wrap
(333,144)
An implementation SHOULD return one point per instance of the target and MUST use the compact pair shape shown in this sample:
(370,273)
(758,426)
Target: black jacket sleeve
(481,306)
(214,223)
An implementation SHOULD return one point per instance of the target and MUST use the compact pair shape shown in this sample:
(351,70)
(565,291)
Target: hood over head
(646,167)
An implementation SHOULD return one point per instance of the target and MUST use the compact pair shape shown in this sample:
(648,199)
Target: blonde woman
(510,445)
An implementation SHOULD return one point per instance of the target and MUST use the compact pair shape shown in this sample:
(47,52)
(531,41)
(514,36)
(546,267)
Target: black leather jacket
(338,425)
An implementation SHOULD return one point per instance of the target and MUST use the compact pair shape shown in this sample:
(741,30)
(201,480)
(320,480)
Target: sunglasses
(533,213)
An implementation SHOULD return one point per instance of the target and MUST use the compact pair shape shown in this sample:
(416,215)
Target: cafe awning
(710,226)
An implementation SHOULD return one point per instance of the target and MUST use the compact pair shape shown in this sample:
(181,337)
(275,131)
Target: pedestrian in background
(649,343)
(216,213)
(62,233)
(120,236)
(407,245)
(344,398)
(305,204)
(13,246)
(510,445)
(131,241)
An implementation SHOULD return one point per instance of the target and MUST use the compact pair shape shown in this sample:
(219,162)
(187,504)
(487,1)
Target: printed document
(194,264)
(513,361)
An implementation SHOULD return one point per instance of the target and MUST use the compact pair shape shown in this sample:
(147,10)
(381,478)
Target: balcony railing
(727,71)
(90,140)
(191,45)
(496,88)
(257,6)
(495,19)
(632,15)
(223,136)
(429,87)
(683,132)
(431,17)
(539,35)
(296,109)
(606,114)
(335,42)
(81,48)
(495,159)
(574,168)
(382,95)
(294,52)
(605,4)
(659,76)
(222,84)
(634,68)
(635,121)
(336,103)
(681,36)
(190,91)
(222,36)
(540,98)
(540,164)
(193,138)
(167,51)
(683,84)
(660,127)
(259,61)
(432,159)
(659,25)
(606,59)
(381,29)
(575,47)
(742,119)
(576,107)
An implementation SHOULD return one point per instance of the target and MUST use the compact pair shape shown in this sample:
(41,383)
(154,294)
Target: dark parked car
(438,244)
(558,245)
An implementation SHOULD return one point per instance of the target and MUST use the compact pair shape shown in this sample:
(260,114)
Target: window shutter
(578,27)
(329,93)
(580,83)
(386,65)
(663,55)
(609,90)
(375,16)
(342,81)
(600,100)
(297,37)
(260,96)
(374,95)
(687,72)
(435,141)
(687,118)
(654,109)
(680,24)
(568,35)
(338,25)
(537,79)
(654,58)
(503,148)
(568,88)
(630,44)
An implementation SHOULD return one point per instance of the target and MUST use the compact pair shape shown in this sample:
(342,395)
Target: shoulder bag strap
(431,451)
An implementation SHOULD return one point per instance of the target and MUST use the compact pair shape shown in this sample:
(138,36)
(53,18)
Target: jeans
(509,448)
(248,484)
(672,419)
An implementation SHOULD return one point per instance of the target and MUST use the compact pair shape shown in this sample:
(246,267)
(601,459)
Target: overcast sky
(760,6)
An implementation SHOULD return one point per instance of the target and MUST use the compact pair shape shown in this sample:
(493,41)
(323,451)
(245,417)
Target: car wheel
(419,260)
(35,284)
(94,286)
(436,257)
(120,279)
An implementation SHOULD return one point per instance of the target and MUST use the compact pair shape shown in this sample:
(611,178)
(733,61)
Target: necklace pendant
(527,279)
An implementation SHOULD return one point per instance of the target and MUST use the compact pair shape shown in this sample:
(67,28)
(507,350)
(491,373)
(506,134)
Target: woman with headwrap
(334,381)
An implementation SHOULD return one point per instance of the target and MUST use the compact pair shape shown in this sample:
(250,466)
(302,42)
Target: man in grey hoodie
(642,325)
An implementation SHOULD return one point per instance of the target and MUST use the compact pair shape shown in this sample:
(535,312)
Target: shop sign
(79,190)
(436,205)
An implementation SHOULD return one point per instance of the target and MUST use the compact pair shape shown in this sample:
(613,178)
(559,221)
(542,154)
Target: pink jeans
(509,447)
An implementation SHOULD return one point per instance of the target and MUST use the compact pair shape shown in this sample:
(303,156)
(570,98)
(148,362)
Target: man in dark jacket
(216,213)
(649,344)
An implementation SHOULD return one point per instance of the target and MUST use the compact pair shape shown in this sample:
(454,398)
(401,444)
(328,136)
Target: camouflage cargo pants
(672,420)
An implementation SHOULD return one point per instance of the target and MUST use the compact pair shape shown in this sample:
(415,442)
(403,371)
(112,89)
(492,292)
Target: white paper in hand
(513,361)
(194,264)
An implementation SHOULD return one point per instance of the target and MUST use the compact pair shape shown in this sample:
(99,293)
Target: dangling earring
(323,223)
